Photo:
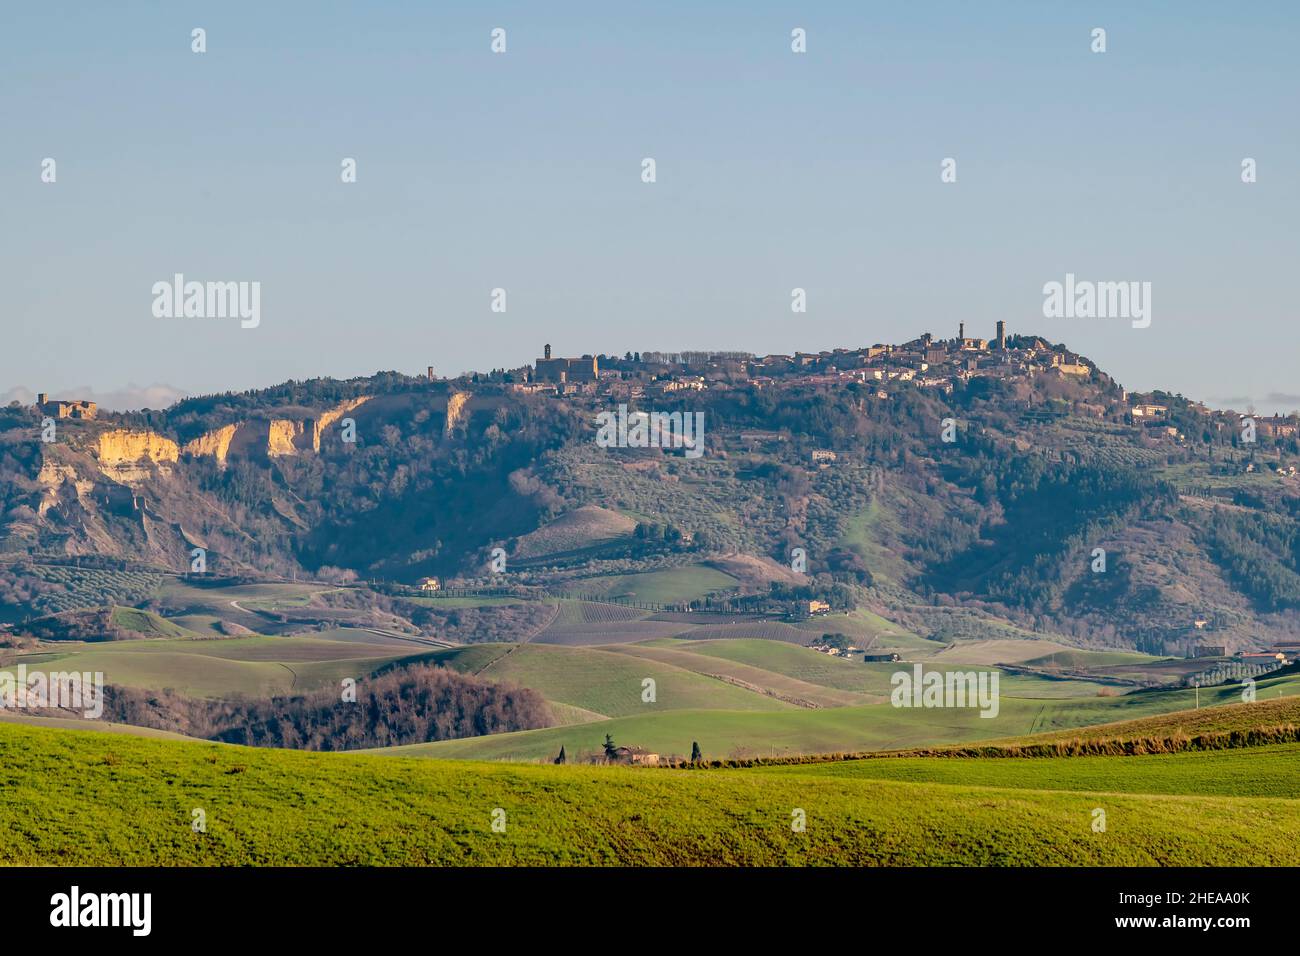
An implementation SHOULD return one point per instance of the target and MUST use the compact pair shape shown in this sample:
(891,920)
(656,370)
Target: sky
(522,171)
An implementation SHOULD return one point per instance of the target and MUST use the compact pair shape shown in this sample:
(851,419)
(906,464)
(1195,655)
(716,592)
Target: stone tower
(961,330)
(546,352)
(1002,335)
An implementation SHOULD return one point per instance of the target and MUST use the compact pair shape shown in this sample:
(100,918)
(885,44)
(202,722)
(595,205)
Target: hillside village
(924,363)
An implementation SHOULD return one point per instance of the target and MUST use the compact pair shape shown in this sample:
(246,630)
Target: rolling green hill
(249,666)
(609,683)
(730,734)
(106,799)
(147,624)
(1248,772)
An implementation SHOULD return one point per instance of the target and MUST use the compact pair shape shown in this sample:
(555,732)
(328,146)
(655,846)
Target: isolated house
(635,756)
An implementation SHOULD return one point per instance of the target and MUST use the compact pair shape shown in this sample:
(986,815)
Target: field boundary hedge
(1078,747)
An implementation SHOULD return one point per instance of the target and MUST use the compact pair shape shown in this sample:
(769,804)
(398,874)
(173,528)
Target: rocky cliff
(277,437)
(133,456)
(214,443)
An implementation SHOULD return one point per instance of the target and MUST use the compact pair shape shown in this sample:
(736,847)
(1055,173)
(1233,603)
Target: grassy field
(799,663)
(762,679)
(147,624)
(864,683)
(575,530)
(868,629)
(1250,772)
(1277,705)
(1071,658)
(863,534)
(609,683)
(254,666)
(76,798)
(89,726)
(730,734)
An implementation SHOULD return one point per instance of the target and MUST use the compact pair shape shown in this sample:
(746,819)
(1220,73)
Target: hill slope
(104,799)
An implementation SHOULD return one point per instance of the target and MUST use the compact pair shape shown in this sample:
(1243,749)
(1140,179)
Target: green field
(863,534)
(730,734)
(1074,659)
(609,683)
(79,798)
(254,666)
(870,630)
(798,663)
(759,679)
(147,624)
(1247,772)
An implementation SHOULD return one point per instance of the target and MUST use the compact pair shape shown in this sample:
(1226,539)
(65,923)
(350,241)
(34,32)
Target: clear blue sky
(522,171)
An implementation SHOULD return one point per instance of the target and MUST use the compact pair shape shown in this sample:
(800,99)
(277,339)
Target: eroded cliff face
(129,457)
(285,437)
(215,443)
(456,403)
(52,478)
(112,487)
(71,493)
(277,438)
(328,418)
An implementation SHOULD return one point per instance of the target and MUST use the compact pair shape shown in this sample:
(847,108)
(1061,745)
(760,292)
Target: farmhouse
(629,755)
(1269,657)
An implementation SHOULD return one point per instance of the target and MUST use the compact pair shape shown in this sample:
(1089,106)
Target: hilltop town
(926,363)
